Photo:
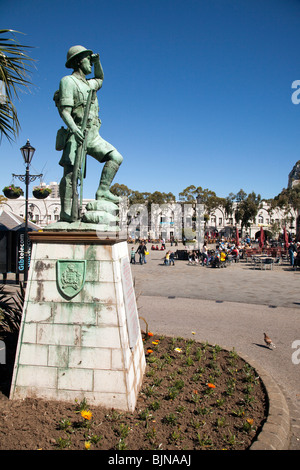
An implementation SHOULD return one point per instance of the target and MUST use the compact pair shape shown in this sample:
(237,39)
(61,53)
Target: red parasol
(285,238)
(237,237)
(261,237)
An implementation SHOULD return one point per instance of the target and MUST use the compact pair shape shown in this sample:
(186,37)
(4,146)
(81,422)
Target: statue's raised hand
(94,58)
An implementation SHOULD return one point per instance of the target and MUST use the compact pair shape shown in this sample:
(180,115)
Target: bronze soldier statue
(78,107)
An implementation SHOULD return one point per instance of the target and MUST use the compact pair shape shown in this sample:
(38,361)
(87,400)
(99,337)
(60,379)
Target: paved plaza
(231,307)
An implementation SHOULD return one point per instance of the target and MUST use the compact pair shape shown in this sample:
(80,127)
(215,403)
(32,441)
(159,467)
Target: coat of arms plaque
(70,277)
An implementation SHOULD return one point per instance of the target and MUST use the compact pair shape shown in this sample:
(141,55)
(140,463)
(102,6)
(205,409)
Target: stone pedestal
(80,335)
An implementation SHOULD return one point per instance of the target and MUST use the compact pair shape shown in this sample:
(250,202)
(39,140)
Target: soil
(194,396)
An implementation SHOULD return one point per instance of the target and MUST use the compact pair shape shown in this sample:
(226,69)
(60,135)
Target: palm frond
(15,71)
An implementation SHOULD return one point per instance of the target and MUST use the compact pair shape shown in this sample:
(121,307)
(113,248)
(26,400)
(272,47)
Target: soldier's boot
(108,173)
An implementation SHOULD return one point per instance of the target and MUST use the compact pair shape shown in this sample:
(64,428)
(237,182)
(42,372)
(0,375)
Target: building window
(220,220)
(260,219)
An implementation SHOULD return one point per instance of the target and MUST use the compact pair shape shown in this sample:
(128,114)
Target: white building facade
(166,220)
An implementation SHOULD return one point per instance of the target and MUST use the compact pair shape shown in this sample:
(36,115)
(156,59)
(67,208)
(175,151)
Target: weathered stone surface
(83,346)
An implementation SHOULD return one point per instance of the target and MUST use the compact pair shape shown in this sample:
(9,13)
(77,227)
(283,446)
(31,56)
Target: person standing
(132,256)
(204,254)
(292,250)
(142,252)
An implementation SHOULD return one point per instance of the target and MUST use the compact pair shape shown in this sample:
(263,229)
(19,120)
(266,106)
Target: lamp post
(27,152)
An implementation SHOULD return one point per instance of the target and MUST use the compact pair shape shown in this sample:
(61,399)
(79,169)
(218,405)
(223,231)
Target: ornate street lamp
(27,152)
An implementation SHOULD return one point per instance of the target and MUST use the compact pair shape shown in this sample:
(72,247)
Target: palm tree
(15,69)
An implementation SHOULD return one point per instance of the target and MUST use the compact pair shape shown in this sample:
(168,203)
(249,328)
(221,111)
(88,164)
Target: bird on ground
(268,341)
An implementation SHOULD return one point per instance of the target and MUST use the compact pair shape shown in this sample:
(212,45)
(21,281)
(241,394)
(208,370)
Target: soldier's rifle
(79,164)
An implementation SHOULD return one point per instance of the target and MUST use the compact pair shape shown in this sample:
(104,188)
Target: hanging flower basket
(12,191)
(41,193)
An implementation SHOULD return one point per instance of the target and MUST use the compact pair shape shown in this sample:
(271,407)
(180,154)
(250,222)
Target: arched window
(260,219)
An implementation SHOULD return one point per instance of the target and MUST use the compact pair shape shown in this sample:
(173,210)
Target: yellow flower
(86,414)
(250,421)
(155,342)
(178,349)
(193,332)
(87,445)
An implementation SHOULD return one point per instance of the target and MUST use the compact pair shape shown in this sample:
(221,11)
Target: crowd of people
(225,251)
(215,258)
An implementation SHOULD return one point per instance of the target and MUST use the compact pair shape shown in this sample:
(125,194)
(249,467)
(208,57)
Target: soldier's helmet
(74,53)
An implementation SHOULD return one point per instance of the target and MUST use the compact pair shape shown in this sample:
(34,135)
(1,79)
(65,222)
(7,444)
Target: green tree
(247,208)
(287,199)
(120,190)
(227,204)
(188,194)
(137,198)
(15,70)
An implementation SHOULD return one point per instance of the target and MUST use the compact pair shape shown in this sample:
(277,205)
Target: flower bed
(194,397)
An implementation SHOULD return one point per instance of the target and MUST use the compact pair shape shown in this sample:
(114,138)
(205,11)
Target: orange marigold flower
(149,333)
(86,414)
(211,385)
(250,421)
(149,351)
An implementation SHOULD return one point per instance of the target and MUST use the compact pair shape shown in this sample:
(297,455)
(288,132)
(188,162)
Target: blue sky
(195,91)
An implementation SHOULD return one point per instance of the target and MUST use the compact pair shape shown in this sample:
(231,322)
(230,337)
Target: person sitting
(215,262)
(167,259)
(235,254)
(223,258)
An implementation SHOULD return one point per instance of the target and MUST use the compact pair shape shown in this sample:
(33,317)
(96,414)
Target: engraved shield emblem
(70,277)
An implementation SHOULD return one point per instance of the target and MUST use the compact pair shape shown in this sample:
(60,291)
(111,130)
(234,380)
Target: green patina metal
(78,107)
(70,277)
